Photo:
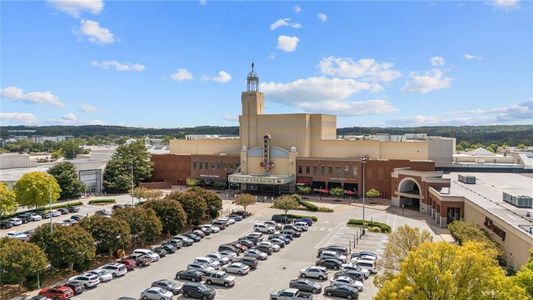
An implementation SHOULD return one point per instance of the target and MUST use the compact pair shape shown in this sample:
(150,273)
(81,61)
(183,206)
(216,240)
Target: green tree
(192,182)
(521,146)
(195,206)
(524,277)
(8,201)
(468,232)
(127,159)
(402,241)
(336,192)
(34,188)
(20,259)
(65,245)
(446,271)
(65,174)
(145,226)
(71,148)
(286,203)
(212,200)
(110,234)
(173,217)
(245,200)
(303,189)
(372,193)
(493,148)
(147,194)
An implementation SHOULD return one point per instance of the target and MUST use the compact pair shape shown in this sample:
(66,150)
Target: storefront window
(307,170)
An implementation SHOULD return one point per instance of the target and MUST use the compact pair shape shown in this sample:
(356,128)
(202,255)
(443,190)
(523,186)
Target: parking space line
(331,233)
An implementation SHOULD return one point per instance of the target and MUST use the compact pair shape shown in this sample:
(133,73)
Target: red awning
(304,180)
(325,191)
(348,192)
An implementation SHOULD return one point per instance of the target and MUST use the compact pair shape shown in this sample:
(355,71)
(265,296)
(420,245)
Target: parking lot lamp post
(50,203)
(131,191)
(363,162)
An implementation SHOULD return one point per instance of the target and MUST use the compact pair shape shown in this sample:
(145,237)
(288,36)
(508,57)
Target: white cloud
(427,82)
(89,108)
(70,117)
(287,43)
(472,57)
(181,75)
(77,7)
(222,77)
(437,61)
(505,4)
(297,9)
(18,118)
(202,2)
(16,94)
(322,17)
(231,118)
(284,22)
(316,94)
(95,33)
(507,114)
(106,64)
(366,69)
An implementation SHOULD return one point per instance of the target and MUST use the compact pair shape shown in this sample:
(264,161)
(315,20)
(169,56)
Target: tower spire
(252,81)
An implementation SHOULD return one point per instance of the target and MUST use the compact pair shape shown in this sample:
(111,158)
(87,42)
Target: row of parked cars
(36,216)
(347,282)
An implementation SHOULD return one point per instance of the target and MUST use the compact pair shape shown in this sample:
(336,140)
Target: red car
(241,247)
(59,292)
(129,263)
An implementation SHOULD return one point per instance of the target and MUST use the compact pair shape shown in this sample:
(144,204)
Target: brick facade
(171,168)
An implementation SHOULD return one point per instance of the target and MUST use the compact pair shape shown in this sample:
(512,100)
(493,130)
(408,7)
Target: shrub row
(314,218)
(382,226)
(97,201)
(311,206)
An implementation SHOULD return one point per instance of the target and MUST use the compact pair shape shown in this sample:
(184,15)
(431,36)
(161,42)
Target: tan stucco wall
(517,242)
(229,146)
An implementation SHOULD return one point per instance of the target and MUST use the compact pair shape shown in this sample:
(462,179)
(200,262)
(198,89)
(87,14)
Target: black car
(190,275)
(193,237)
(73,209)
(246,243)
(25,217)
(293,227)
(5,225)
(353,274)
(169,285)
(339,249)
(228,248)
(63,210)
(305,285)
(254,238)
(242,213)
(264,248)
(283,219)
(329,263)
(161,251)
(287,237)
(342,290)
(277,241)
(76,287)
(249,261)
(169,248)
(77,217)
(198,291)
(236,217)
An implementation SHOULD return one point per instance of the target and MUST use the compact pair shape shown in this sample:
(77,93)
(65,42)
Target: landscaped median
(102,201)
(373,226)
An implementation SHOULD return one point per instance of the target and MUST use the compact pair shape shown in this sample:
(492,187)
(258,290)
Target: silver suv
(220,278)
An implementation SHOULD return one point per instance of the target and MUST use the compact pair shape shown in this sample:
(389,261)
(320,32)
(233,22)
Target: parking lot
(272,274)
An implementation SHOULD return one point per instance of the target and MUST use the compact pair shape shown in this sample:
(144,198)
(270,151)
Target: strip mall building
(276,152)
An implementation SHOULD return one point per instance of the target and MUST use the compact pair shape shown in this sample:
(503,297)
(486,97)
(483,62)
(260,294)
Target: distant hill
(497,134)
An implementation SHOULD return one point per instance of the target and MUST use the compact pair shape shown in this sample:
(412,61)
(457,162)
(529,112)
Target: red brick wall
(218,166)
(171,168)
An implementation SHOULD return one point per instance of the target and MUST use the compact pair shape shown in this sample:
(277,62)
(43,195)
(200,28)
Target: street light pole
(50,203)
(131,191)
(363,162)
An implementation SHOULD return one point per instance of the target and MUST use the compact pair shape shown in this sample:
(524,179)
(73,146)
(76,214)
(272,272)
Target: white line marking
(318,245)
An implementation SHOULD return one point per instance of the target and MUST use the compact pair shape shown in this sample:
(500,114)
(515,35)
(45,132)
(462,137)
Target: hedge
(301,217)
(98,201)
(310,206)
(382,226)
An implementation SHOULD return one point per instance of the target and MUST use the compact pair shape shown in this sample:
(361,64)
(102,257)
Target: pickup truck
(290,294)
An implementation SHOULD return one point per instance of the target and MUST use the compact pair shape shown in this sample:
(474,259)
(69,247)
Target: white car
(55,213)
(237,268)
(104,275)
(149,253)
(314,272)
(348,281)
(353,267)
(214,229)
(87,280)
(229,254)
(35,217)
(275,247)
(370,265)
(264,228)
(273,224)
(302,225)
(208,261)
(17,235)
(116,269)
(230,221)
(156,293)
(332,254)
(256,254)
(200,267)
(219,257)
(15,221)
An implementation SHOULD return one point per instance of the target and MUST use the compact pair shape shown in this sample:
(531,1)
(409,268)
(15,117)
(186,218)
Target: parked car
(255,253)
(239,246)
(193,237)
(60,292)
(149,253)
(63,210)
(200,267)
(249,261)
(198,291)
(301,225)
(264,248)
(103,212)
(35,217)
(339,249)
(25,217)
(55,213)
(17,235)
(278,242)
(191,275)
(226,247)
(116,269)
(169,248)
(236,217)
(283,219)
(329,263)
(169,285)
(344,291)
(77,217)
(219,278)
(129,263)
(5,225)
(314,272)
(347,281)
(219,257)
(246,243)
(370,265)
(355,275)
(306,220)
(208,261)
(255,237)
(178,243)
(156,293)
(332,254)
(360,254)
(141,260)
(160,251)
(293,233)
(237,268)
(264,228)
(229,221)
(220,224)
(293,227)
(73,209)
(276,226)
(287,238)
(229,254)
(305,285)
(199,233)
(290,294)
(274,247)
(15,221)
(103,275)
(88,280)
(77,288)
(211,228)
(356,268)
(186,241)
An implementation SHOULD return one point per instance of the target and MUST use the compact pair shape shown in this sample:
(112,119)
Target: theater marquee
(250,179)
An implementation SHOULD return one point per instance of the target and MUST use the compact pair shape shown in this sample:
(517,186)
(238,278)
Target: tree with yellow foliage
(447,271)
(524,277)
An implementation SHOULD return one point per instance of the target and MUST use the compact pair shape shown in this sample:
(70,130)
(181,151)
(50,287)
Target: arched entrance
(409,193)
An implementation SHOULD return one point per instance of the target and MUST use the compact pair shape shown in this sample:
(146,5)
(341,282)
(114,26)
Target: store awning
(257,179)
(325,191)
(348,192)
(304,181)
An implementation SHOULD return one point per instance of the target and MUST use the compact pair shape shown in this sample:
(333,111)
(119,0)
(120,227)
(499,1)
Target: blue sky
(175,64)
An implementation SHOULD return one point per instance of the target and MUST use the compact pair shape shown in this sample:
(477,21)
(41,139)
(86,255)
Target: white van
(370,265)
